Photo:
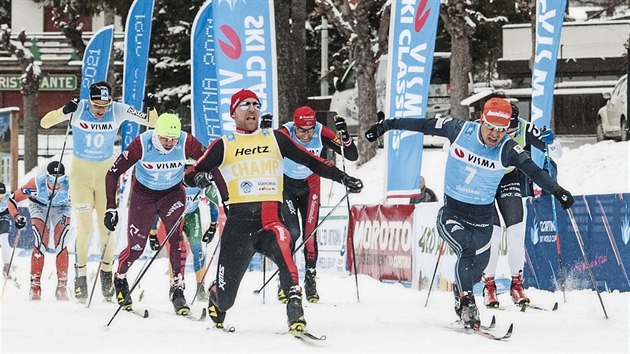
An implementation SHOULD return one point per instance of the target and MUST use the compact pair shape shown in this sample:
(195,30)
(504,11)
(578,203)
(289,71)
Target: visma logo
(422,13)
(96,126)
(459,153)
(232,49)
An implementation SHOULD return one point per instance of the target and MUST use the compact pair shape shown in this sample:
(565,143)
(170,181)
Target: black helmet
(53,170)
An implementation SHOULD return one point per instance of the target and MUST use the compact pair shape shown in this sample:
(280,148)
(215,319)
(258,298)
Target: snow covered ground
(389,318)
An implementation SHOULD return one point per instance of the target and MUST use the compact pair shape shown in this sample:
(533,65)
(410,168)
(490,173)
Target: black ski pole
(437,263)
(144,271)
(350,236)
(8,275)
(578,235)
(303,242)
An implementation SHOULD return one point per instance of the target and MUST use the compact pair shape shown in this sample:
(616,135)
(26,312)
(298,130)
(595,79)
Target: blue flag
(137,40)
(549,19)
(233,47)
(96,59)
(411,47)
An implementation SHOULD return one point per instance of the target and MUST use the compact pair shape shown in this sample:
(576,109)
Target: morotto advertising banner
(96,59)
(383,240)
(549,19)
(604,224)
(137,41)
(411,47)
(233,47)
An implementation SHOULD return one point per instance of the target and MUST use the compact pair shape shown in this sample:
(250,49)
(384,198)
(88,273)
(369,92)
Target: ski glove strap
(266,121)
(377,129)
(20,221)
(153,242)
(202,180)
(71,106)
(354,184)
(564,198)
(209,234)
(111,219)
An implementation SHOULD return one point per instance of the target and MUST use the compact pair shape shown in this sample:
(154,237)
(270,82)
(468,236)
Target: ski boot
(295,312)
(35,293)
(282,297)
(458,301)
(80,288)
(310,286)
(490,292)
(201,292)
(178,299)
(122,293)
(517,291)
(107,285)
(61,293)
(470,313)
(217,316)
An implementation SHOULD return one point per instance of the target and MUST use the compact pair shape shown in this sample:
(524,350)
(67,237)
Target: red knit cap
(304,117)
(241,96)
(498,112)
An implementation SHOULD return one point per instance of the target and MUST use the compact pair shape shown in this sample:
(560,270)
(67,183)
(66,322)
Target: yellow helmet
(168,125)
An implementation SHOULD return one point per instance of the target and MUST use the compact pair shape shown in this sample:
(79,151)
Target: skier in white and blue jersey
(479,155)
(159,157)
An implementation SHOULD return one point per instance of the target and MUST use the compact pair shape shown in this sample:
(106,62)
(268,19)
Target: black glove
(71,106)
(354,184)
(149,101)
(111,219)
(340,124)
(266,121)
(20,221)
(564,197)
(153,242)
(202,180)
(377,129)
(209,234)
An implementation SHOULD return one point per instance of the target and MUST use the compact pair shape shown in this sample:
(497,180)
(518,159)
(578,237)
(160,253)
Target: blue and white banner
(233,47)
(549,18)
(137,40)
(411,46)
(96,59)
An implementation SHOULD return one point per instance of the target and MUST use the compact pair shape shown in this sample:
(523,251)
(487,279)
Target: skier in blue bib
(478,157)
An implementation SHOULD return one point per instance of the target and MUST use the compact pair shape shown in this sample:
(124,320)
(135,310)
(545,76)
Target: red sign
(383,241)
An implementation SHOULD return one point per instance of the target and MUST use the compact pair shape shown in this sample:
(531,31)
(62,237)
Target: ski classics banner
(412,43)
(549,19)
(233,47)
(96,59)
(137,40)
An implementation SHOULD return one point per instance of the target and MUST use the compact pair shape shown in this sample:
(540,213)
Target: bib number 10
(94,140)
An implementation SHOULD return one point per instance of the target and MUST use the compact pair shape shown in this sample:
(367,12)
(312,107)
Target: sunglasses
(245,105)
(305,130)
(493,127)
(60,179)
(100,105)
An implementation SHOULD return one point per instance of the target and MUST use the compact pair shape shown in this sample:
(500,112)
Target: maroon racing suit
(145,203)
(302,196)
(255,226)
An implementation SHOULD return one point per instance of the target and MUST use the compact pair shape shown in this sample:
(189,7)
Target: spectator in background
(426,194)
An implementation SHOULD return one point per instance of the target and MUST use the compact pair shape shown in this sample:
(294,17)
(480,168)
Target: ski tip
(145,314)
(508,334)
(493,322)
(555,307)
